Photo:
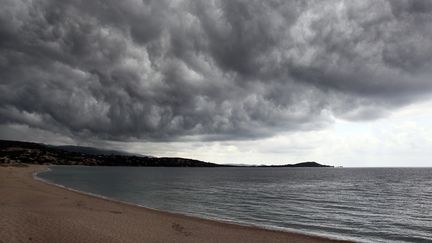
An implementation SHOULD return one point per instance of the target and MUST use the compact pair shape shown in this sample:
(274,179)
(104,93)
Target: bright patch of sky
(404,139)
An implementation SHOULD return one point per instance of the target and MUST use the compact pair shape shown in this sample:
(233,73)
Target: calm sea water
(361,204)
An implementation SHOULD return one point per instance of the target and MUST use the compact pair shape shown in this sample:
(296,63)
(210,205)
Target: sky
(345,83)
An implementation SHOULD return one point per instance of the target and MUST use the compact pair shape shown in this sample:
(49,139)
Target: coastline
(96,212)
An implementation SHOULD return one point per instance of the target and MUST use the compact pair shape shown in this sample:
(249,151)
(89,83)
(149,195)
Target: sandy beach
(34,211)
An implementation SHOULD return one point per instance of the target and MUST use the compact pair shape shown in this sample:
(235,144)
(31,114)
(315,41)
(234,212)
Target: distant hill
(16,152)
(302,164)
(94,151)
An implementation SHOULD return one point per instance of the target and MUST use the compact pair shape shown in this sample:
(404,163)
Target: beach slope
(34,211)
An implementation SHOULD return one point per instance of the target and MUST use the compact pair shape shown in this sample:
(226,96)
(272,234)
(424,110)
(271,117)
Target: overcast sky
(340,82)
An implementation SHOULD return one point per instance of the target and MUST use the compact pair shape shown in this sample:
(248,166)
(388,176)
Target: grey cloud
(215,70)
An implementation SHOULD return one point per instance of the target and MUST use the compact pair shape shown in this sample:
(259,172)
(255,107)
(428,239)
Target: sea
(359,204)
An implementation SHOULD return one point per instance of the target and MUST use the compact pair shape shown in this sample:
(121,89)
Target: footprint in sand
(115,212)
(79,203)
(180,229)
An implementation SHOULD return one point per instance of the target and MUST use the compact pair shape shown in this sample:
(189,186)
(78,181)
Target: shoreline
(270,234)
(218,220)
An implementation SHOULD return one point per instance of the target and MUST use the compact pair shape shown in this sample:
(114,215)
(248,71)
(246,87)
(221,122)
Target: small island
(302,164)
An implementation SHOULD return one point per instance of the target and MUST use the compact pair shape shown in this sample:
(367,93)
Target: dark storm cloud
(166,70)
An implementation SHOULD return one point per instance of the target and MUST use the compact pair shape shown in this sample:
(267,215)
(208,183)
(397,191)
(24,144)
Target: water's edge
(182,214)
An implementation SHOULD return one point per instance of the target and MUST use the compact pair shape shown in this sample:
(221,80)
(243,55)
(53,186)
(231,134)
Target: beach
(34,211)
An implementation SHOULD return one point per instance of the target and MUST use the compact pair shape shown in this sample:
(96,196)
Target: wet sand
(34,211)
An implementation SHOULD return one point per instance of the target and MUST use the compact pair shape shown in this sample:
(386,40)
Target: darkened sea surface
(361,204)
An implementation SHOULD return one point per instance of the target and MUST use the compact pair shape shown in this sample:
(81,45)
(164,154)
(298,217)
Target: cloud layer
(215,70)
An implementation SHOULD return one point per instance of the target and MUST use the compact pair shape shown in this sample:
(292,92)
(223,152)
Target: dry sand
(33,211)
